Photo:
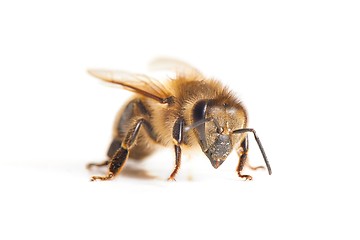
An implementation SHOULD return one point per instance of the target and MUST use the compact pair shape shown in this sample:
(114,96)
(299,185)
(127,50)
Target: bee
(187,111)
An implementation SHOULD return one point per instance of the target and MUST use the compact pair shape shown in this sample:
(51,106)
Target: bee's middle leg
(121,155)
(101,164)
(178,135)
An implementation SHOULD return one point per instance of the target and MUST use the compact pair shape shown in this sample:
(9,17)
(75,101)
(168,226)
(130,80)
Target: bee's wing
(174,65)
(137,83)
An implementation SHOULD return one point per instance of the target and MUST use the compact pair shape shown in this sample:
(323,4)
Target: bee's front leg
(243,158)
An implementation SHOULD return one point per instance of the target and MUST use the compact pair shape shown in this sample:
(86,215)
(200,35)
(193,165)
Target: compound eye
(199,114)
(199,110)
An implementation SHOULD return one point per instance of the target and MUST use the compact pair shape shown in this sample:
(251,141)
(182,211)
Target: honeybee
(185,112)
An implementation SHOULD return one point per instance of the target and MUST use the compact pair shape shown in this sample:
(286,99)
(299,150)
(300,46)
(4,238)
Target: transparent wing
(174,65)
(138,83)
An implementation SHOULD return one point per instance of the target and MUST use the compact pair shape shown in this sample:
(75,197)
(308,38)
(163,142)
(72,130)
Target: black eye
(199,110)
(199,114)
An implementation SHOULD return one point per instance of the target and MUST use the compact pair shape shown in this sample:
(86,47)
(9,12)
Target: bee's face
(215,137)
(219,150)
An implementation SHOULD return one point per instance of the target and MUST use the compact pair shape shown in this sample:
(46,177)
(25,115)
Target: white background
(295,65)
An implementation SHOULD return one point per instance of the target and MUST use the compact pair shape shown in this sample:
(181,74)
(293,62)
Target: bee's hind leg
(114,146)
(119,158)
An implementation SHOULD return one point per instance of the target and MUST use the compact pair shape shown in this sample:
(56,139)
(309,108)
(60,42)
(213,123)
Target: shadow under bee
(130,171)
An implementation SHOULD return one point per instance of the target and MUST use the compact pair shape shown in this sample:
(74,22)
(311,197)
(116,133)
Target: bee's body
(186,112)
(187,91)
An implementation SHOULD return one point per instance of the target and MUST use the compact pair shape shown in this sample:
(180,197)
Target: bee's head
(213,123)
